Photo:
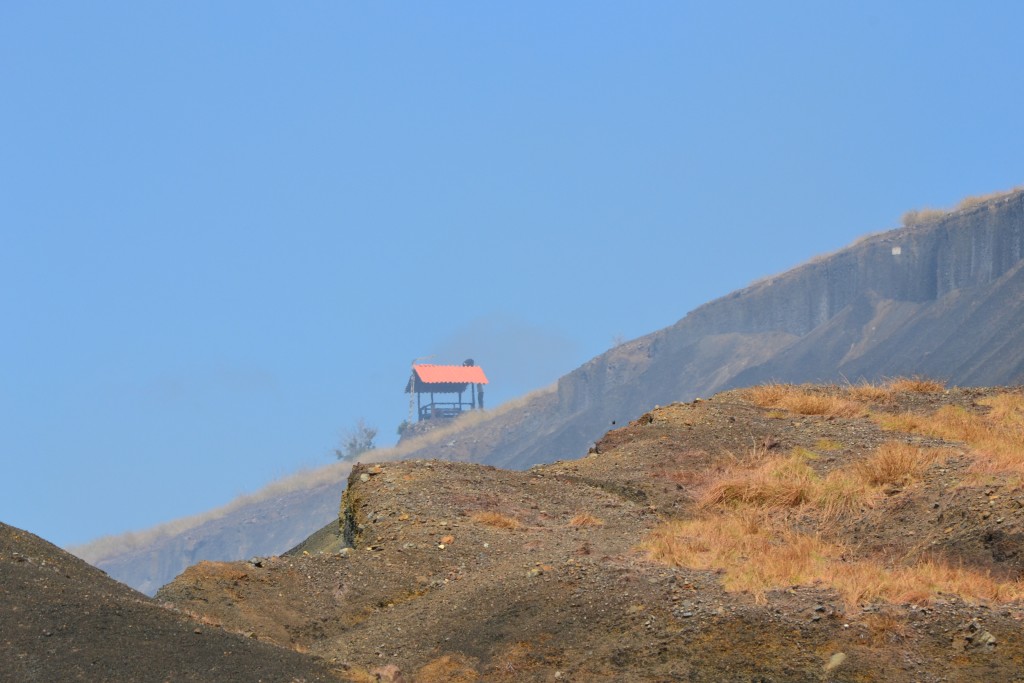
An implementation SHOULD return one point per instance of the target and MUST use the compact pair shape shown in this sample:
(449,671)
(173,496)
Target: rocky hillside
(943,297)
(63,620)
(779,533)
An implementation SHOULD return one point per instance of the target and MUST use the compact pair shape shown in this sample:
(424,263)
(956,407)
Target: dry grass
(886,629)
(866,392)
(867,581)
(448,669)
(585,519)
(359,675)
(802,401)
(840,494)
(828,445)
(747,528)
(977,200)
(996,438)
(496,519)
(760,553)
(929,214)
(917,216)
(789,481)
(916,384)
(896,463)
(754,513)
(780,482)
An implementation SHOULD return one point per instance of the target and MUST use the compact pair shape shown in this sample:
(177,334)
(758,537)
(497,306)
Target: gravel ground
(441,571)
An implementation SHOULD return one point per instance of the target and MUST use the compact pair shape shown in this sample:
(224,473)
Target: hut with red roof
(432,384)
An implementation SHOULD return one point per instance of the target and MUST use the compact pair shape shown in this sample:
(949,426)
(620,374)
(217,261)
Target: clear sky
(226,229)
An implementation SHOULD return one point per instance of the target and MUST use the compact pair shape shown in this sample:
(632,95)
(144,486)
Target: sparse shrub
(358,675)
(495,519)
(356,441)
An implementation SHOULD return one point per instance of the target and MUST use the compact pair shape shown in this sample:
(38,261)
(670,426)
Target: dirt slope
(63,620)
(466,572)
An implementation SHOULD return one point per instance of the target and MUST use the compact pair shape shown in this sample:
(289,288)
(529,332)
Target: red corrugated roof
(450,374)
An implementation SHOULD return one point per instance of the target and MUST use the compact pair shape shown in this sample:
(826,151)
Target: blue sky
(227,228)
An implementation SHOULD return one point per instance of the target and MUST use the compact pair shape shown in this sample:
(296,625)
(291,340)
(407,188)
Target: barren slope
(466,572)
(63,620)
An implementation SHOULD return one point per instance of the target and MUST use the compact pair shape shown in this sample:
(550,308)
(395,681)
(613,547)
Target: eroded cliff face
(923,263)
(939,298)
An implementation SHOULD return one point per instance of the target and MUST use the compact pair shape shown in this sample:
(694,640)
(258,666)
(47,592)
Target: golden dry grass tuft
(760,553)
(448,669)
(916,384)
(359,675)
(885,629)
(895,462)
(828,445)
(996,437)
(840,494)
(977,200)
(780,482)
(585,519)
(866,392)
(752,520)
(789,481)
(925,215)
(929,214)
(495,519)
(802,401)
(755,552)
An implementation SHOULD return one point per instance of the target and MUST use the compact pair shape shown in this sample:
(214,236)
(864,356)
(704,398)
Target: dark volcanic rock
(63,620)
